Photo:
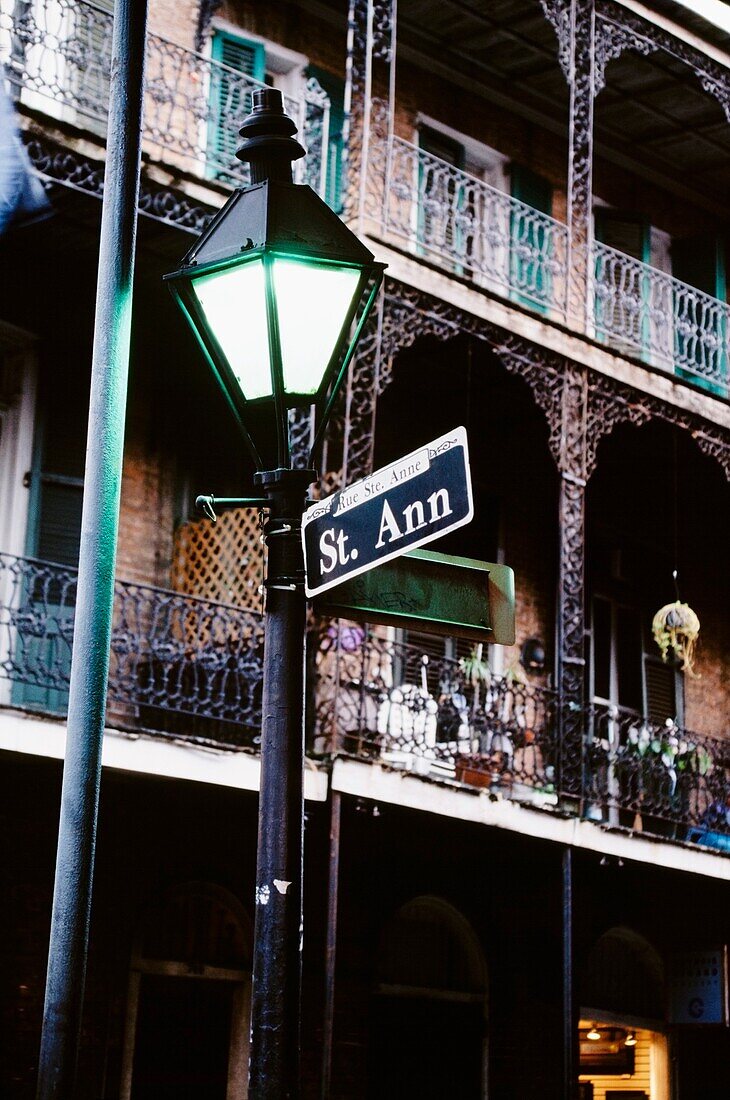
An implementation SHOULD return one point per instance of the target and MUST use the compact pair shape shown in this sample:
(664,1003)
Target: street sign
(419,498)
(435,593)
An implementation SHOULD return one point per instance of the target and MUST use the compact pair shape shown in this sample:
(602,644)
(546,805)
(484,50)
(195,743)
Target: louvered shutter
(334,86)
(660,681)
(529,276)
(230,98)
(626,232)
(700,262)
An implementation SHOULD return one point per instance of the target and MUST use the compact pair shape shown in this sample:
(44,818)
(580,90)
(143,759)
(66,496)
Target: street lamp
(277,290)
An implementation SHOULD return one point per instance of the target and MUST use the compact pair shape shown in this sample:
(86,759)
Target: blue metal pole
(99,525)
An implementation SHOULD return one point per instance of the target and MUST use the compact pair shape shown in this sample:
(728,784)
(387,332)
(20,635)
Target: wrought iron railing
(191,668)
(667,322)
(467,226)
(57,57)
(179,665)
(658,777)
(471,229)
(381,700)
(384,700)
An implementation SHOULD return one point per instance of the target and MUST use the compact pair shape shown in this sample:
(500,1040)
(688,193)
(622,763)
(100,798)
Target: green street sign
(436,593)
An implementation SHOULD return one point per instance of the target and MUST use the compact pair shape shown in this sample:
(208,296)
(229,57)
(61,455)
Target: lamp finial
(268,142)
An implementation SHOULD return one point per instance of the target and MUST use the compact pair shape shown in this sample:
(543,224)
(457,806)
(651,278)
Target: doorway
(428,1035)
(189,997)
(182,1038)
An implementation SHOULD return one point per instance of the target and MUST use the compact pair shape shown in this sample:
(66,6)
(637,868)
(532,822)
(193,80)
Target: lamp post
(277,290)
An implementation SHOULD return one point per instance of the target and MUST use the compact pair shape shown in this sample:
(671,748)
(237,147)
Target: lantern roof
(279,217)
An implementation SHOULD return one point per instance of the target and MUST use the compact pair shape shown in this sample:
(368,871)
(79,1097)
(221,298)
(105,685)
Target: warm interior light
(630,1040)
(594,1035)
(313,301)
(234,304)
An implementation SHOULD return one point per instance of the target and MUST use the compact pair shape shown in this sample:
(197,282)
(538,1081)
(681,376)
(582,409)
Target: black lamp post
(277,290)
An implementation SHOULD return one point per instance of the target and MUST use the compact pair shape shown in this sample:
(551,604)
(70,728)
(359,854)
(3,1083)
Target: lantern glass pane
(313,302)
(234,304)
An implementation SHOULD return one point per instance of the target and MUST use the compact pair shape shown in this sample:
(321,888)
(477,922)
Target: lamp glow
(311,301)
(630,1040)
(594,1035)
(234,304)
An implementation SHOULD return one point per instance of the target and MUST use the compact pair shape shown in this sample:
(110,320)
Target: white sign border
(455,438)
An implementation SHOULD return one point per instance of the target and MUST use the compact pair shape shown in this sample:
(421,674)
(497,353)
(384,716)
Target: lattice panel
(222,561)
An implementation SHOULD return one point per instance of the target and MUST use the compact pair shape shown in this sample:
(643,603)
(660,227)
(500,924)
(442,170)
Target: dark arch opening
(428,1029)
(624,975)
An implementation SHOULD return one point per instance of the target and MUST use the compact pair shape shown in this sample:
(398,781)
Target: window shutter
(228,103)
(626,232)
(59,520)
(700,262)
(530,188)
(54,521)
(334,86)
(661,691)
(529,277)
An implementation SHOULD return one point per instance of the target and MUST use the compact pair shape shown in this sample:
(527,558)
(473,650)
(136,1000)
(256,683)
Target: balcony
(389,703)
(179,666)
(468,228)
(191,669)
(57,57)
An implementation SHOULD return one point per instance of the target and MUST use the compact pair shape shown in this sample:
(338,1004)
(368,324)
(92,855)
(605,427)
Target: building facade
(516,857)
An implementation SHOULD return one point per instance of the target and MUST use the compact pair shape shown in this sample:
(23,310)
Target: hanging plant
(675,626)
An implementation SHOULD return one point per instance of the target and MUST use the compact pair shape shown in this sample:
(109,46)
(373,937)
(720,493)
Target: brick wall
(175,19)
(146,515)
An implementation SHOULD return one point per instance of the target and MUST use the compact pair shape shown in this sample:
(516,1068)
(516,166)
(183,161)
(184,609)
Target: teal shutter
(44,625)
(616,313)
(700,262)
(334,86)
(229,103)
(440,196)
(529,240)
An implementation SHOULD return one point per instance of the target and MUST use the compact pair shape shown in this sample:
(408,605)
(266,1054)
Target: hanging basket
(675,626)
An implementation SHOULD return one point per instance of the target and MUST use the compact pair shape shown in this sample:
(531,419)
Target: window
(244,63)
(623,289)
(230,96)
(626,670)
(440,191)
(60,59)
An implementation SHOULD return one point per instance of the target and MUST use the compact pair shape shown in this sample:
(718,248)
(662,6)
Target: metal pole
(570,1023)
(331,950)
(92,633)
(277,965)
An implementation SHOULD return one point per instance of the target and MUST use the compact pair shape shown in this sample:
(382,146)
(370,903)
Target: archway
(188,1000)
(429,1021)
(623,1044)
